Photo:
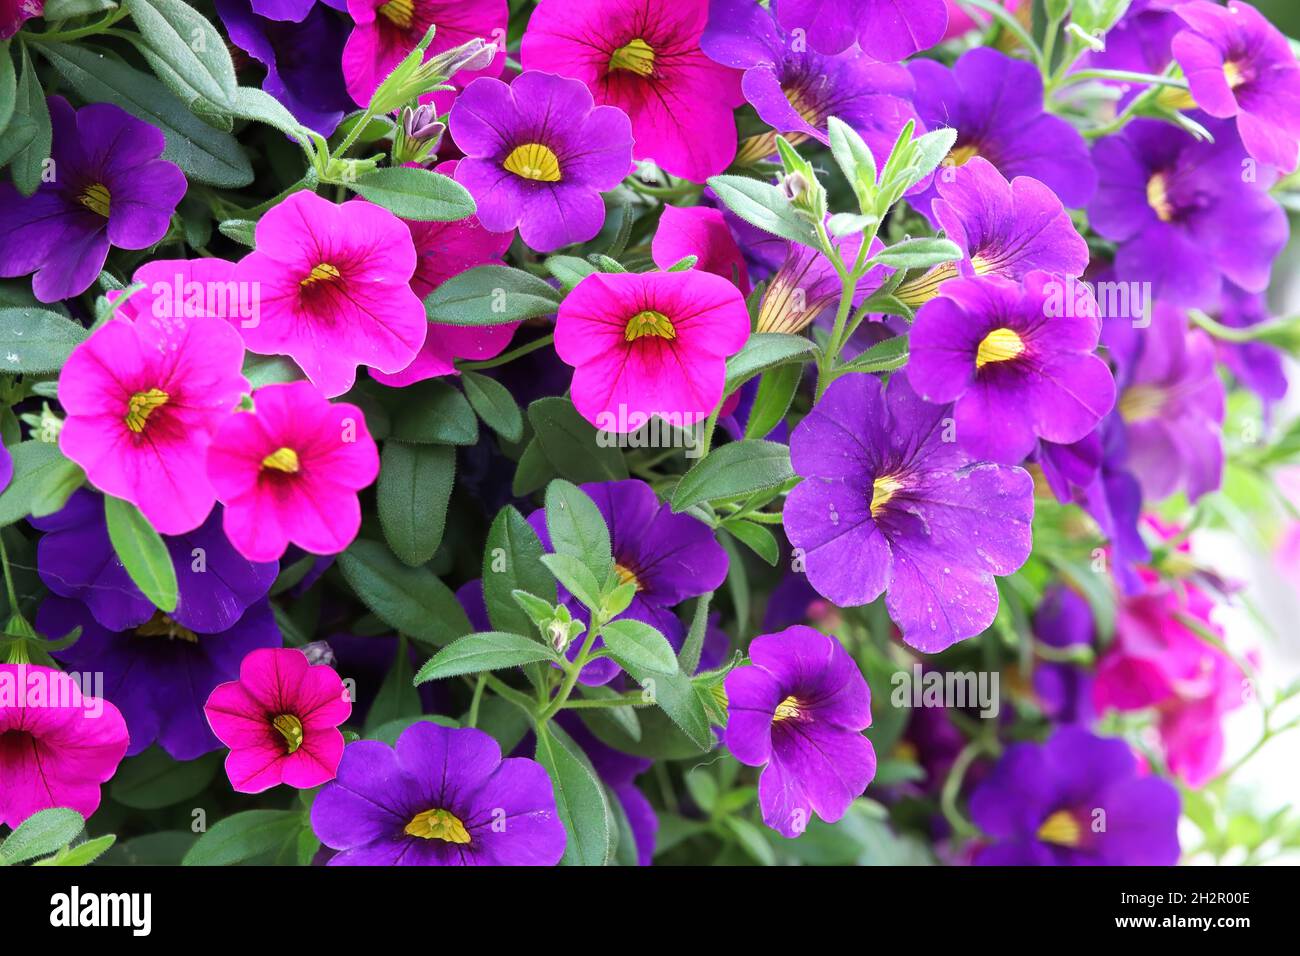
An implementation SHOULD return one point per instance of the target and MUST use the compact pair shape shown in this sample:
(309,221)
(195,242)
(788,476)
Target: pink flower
(143,400)
(649,343)
(280,721)
(334,288)
(387,30)
(442,250)
(644,57)
(188,288)
(703,232)
(56,745)
(290,470)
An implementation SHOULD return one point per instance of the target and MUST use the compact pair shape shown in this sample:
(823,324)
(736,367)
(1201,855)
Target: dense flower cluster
(452,409)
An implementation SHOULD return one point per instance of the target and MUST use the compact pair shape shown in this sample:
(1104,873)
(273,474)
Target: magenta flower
(699,231)
(280,721)
(387,30)
(644,57)
(798,711)
(649,343)
(14,13)
(538,154)
(886,29)
(335,289)
(55,748)
(290,470)
(143,400)
(1017,360)
(442,797)
(110,189)
(1239,65)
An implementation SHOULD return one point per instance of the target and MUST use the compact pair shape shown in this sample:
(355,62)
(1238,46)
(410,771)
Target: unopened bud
(794,186)
(319,652)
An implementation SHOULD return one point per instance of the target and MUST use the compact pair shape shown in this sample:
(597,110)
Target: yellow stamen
(1232,73)
(961,155)
(754,149)
(1158,196)
(788,709)
(1000,345)
(626,576)
(95,197)
(282,459)
(882,490)
(533,161)
(719,693)
(805,106)
(290,728)
(1061,828)
(636,57)
(1139,403)
(917,292)
(438,825)
(323,272)
(650,322)
(161,625)
(141,405)
(399,12)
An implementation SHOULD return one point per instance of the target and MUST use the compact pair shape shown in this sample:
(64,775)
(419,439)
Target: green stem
(90,29)
(570,677)
(626,700)
(472,719)
(962,827)
(9,580)
(510,356)
(1124,76)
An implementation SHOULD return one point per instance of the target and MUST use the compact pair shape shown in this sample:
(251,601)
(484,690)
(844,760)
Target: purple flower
(1256,365)
(1183,213)
(109,187)
(14,13)
(798,711)
(1172,402)
(538,154)
(1063,620)
(302,59)
(443,797)
(670,557)
(890,502)
(217,584)
(291,10)
(795,90)
(886,29)
(995,104)
(1239,65)
(1075,800)
(160,673)
(1018,361)
(1005,229)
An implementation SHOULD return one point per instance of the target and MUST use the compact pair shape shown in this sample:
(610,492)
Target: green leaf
(37,465)
(765,206)
(756,537)
(40,834)
(397,698)
(491,295)
(485,651)
(689,656)
(494,404)
(740,468)
(752,840)
(432,412)
(142,552)
(882,357)
(677,697)
(82,855)
(571,444)
(8,86)
(918,253)
(640,646)
(254,104)
(242,231)
(576,578)
(154,780)
(569,270)
(244,836)
(205,154)
(55,487)
(418,194)
(271,369)
(855,161)
(763,351)
(580,799)
(35,341)
(415,483)
(775,393)
(185,51)
(577,528)
(512,561)
(28,163)
(413,600)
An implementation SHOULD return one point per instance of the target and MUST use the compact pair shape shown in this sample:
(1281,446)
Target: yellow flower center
(438,825)
(788,709)
(882,490)
(961,155)
(95,197)
(636,57)
(1158,196)
(805,106)
(1232,73)
(161,625)
(534,161)
(141,405)
(1061,828)
(1000,345)
(399,12)
(650,322)
(323,272)
(1139,403)
(290,728)
(626,576)
(282,459)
